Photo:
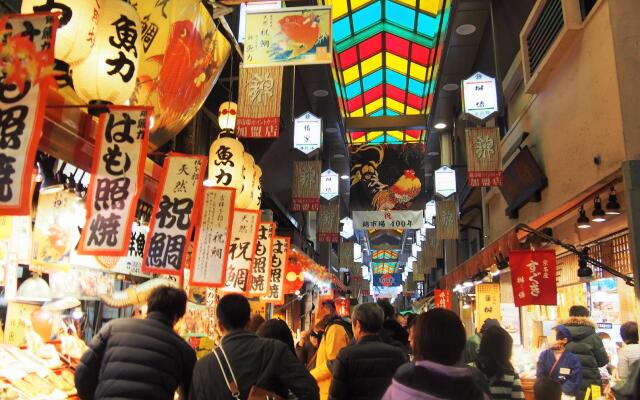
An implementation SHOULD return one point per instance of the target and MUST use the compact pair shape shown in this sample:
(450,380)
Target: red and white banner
(170,225)
(279,260)
(213,236)
(117,175)
(242,249)
(442,298)
(533,277)
(262,259)
(26,67)
(293,277)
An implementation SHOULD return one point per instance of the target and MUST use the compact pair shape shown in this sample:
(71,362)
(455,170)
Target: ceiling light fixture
(465,29)
(467,284)
(433,153)
(583,221)
(344,177)
(440,125)
(338,155)
(331,130)
(502,262)
(320,93)
(613,207)
(450,87)
(458,288)
(598,214)
(584,272)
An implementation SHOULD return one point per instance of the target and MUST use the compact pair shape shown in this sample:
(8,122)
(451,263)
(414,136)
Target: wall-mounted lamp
(583,222)
(598,214)
(584,272)
(613,207)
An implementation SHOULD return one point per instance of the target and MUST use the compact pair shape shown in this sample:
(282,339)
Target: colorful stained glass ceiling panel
(384,267)
(389,137)
(384,255)
(387,54)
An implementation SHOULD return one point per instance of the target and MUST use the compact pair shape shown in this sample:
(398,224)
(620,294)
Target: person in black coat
(139,358)
(364,369)
(266,363)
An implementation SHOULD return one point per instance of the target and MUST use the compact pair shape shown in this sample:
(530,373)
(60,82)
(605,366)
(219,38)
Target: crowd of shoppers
(376,354)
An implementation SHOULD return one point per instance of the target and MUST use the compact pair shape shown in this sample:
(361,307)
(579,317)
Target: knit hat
(488,323)
(563,332)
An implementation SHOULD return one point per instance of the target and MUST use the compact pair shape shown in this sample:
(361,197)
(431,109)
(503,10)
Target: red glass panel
(354,103)
(371,46)
(395,93)
(414,101)
(357,135)
(420,54)
(373,94)
(348,58)
(414,133)
(397,46)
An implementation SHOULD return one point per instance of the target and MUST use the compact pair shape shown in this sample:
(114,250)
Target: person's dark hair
(255,322)
(370,316)
(388,309)
(170,301)
(629,332)
(331,304)
(578,311)
(277,329)
(233,312)
(411,320)
(495,352)
(439,337)
(546,388)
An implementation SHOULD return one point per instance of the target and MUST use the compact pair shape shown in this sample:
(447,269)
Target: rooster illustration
(385,197)
(299,34)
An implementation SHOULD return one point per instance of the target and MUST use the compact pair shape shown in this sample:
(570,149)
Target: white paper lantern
(226,161)
(75,36)
(227,115)
(243,199)
(256,196)
(108,73)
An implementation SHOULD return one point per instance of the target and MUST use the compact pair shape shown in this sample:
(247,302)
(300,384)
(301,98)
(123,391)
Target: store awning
(481,260)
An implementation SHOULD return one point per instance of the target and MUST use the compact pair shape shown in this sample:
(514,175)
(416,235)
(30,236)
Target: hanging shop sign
(306,186)
(442,298)
(346,255)
(480,96)
(116,182)
(17,322)
(430,214)
(533,277)
(388,180)
(329,184)
(242,249)
(445,181)
(27,57)
(387,280)
(170,225)
(279,259)
(447,219)
(212,239)
(421,265)
(55,232)
(347,227)
(131,264)
(433,246)
(388,219)
(487,302)
(259,102)
(329,223)
(262,260)
(293,277)
(288,36)
(483,157)
(307,133)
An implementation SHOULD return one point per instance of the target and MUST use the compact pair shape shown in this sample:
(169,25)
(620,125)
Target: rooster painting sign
(387,186)
(288,36)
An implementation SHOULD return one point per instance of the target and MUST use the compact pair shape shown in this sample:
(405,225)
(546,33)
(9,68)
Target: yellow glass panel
(355,4)
(395,105)
(396,63)
(371,64)
(373,106)
(418,72)
(374,135)
(410,3)
(339,8)
(350,74)
(361,139)
(430,6)
(357,113)
(412,111)
(396,134)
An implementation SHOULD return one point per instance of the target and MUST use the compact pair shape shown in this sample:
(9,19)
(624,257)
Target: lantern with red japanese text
(108,74)
(256,195)
(248,175)
(533,277)
(78,25)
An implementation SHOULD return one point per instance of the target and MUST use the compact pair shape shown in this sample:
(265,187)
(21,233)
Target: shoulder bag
(255,393)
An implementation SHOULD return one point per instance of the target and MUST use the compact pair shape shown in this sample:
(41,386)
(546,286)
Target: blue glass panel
(392,140)
(370,15)
(390,112)
(341,29)
(378,113)
(427,25)
(396,79)
(372,80)
(353,89)
(416,87)
(399,15)
(379,139)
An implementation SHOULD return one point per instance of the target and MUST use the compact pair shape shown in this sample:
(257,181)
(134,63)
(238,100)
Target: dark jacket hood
(579,327)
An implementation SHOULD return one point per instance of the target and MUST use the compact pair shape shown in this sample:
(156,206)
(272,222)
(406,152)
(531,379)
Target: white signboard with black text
(445,181)
(480,96)
(307,133)
(405,219)
(329,184)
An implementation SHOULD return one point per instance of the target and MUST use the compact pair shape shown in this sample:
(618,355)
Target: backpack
(631,387)
(347,327)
